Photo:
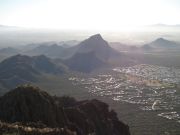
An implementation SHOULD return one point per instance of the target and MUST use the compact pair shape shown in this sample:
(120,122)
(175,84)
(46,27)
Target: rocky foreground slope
(27,110)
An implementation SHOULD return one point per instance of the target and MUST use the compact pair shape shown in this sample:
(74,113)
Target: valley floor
(148,107)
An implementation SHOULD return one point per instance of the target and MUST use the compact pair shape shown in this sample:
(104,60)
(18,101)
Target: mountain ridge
(161,44)
(37,108)
(26,69)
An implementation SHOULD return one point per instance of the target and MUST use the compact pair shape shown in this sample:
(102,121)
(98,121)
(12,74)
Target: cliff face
(39,112)
(94,117)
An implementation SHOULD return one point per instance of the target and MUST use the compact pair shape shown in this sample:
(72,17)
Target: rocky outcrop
(30,104)
(36,109)
(31,129)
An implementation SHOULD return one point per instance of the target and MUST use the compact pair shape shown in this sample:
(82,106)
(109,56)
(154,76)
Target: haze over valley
(89,67)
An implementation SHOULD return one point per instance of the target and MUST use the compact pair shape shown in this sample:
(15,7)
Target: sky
(88,14)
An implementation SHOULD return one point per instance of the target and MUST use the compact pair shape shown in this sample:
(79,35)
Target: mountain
(90,54)
(94,53)
(18,65)
(46,65)
(98,45)
(94,43)
(161,44)
(21,69)
(31,107)
(48,50)
(84,62)
(76,57)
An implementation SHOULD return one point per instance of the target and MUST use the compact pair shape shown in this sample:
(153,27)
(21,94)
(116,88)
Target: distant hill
(48,50)
(18,65)
(161,44)
(31,107)
(123,47)
(46,65)
(68,43)
(165,26)
(21,69)
(9,51)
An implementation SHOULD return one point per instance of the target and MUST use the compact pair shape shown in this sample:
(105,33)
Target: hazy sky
(88,14)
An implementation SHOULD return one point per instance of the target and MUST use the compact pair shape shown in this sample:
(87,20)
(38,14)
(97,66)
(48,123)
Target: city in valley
(152,88)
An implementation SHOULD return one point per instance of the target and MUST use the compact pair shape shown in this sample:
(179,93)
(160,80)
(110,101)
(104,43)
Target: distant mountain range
(94,43)
(123,47)
(95,50)
(92,53)
(161,44)
(9,51)
(89,55)
(48,50)
(164,25)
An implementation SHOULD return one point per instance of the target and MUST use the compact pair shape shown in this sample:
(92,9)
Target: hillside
(38,110)
(20,69)
(84,62)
